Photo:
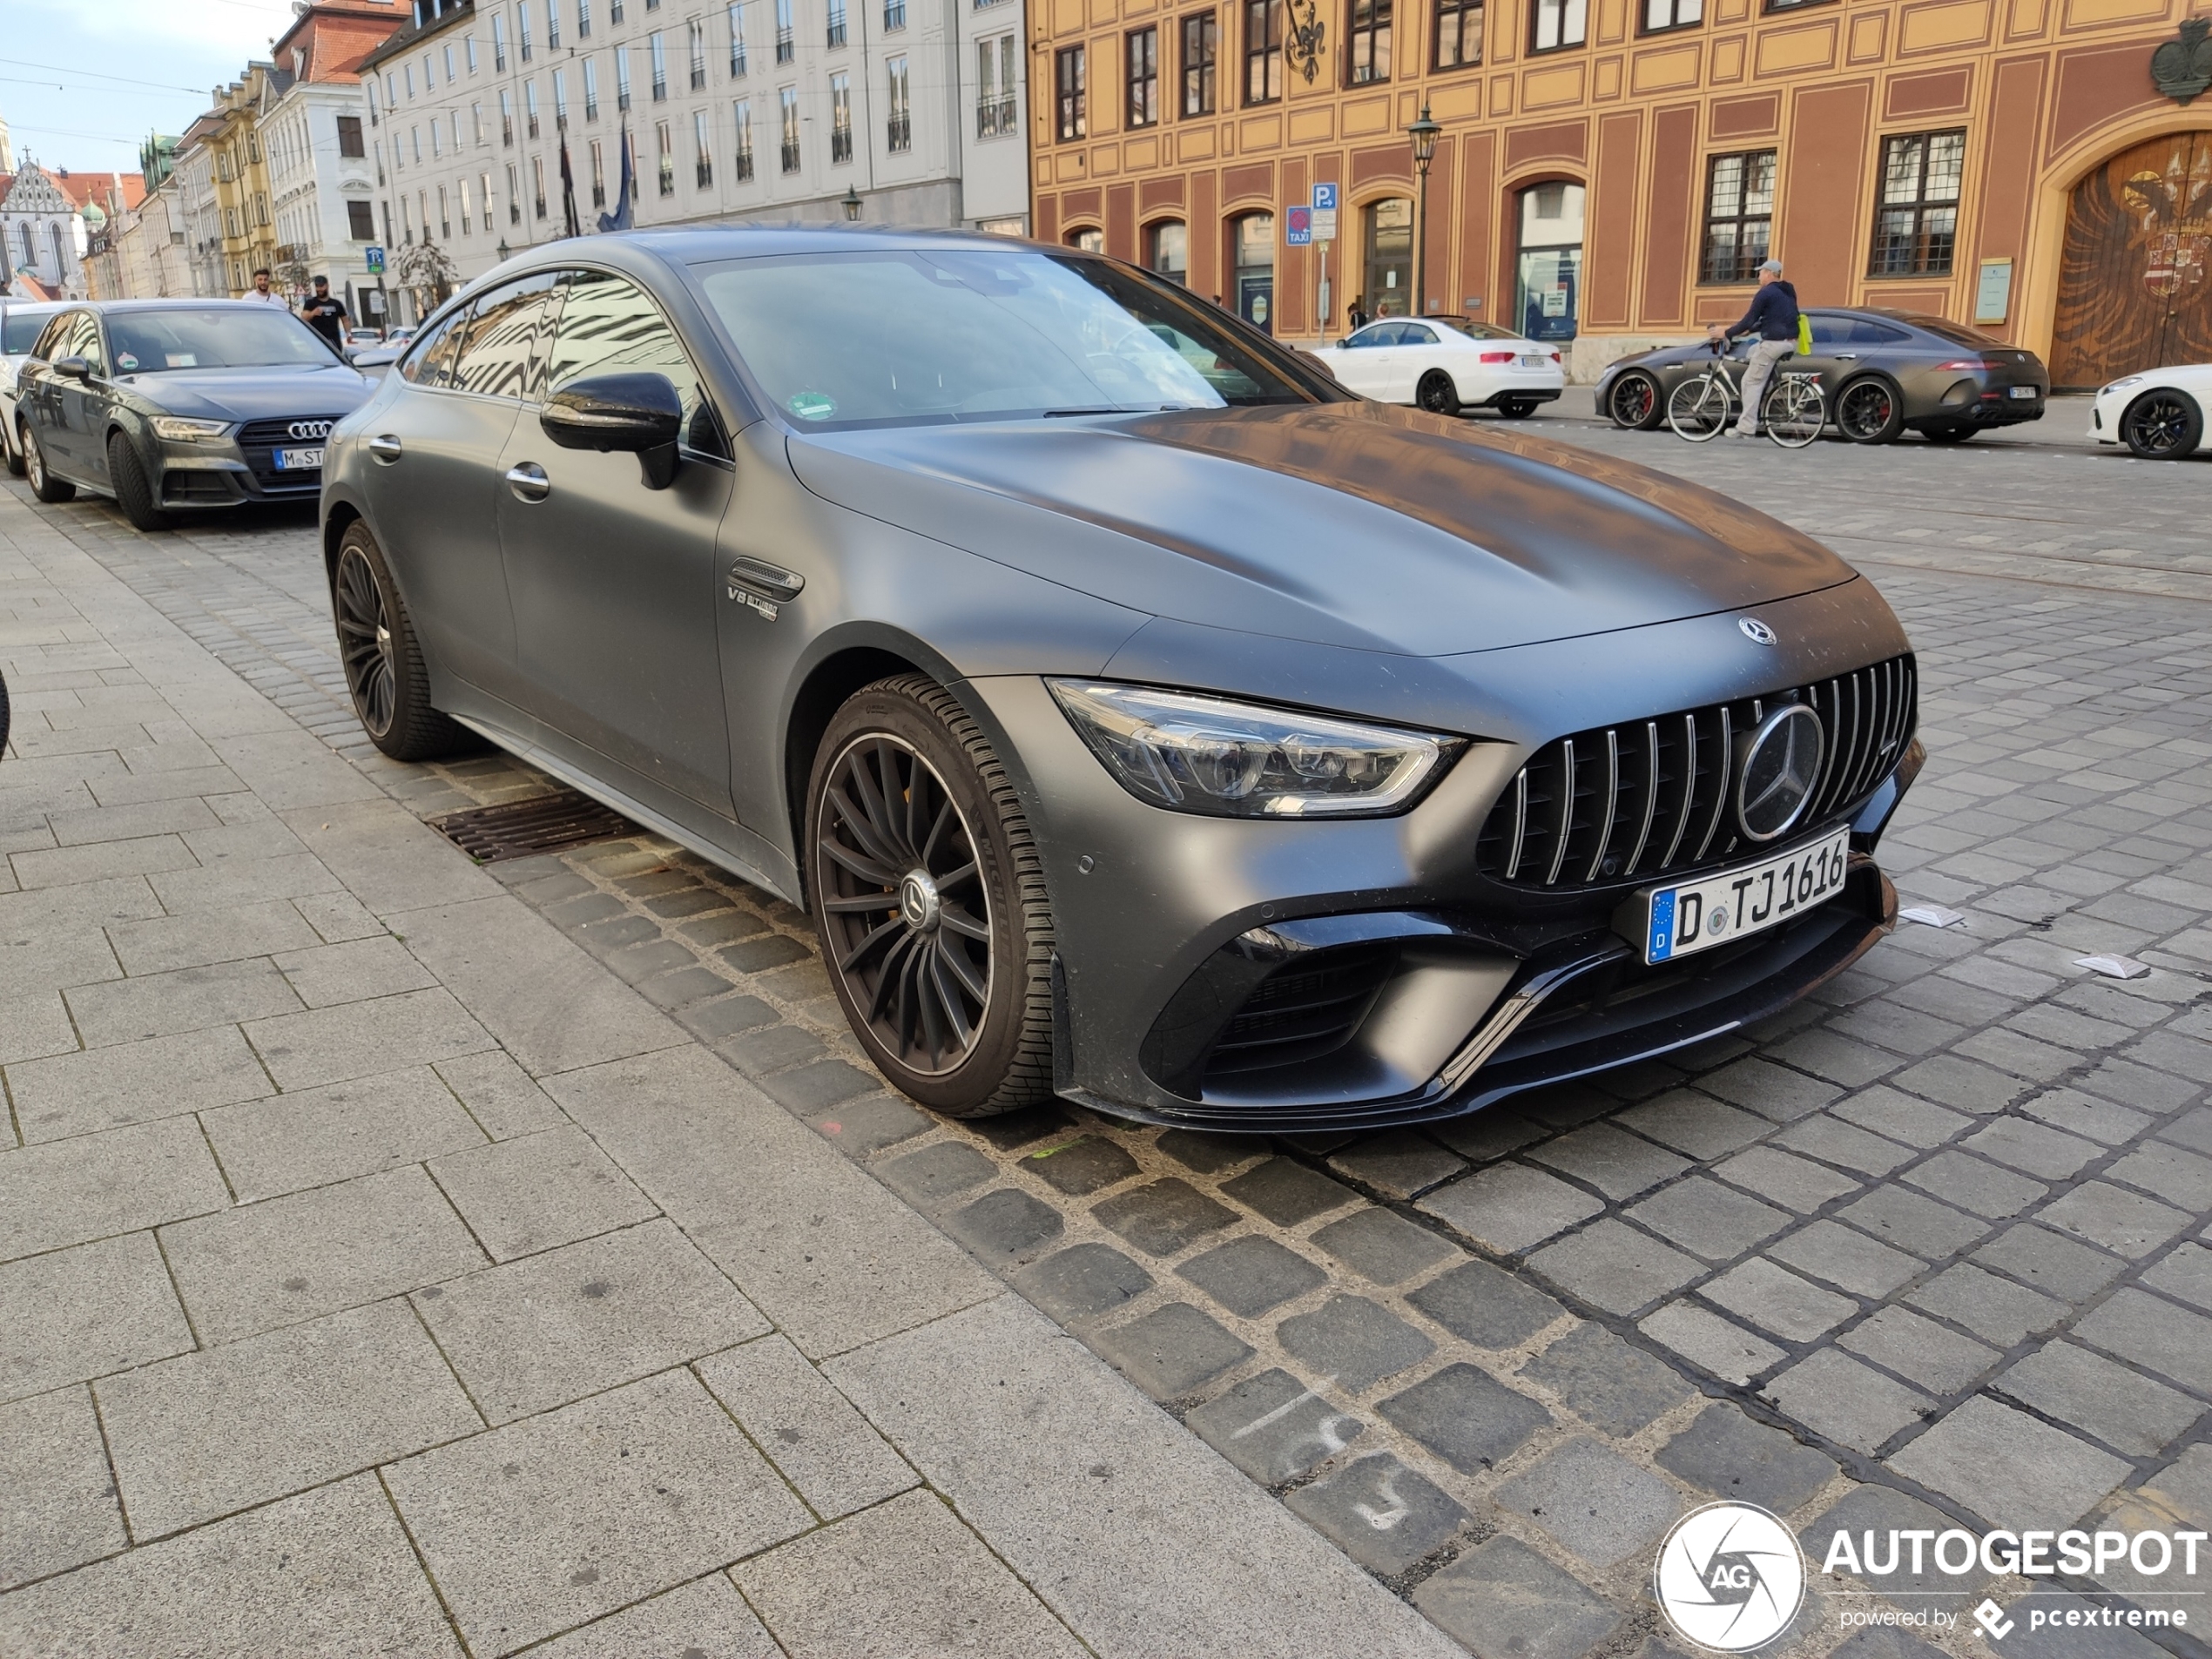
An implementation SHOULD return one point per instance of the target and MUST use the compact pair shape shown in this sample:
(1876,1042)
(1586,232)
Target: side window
(1416,333)
(1830,331)
(84,341)
(1867,332)
(501,356)
(50,339)
(431,361)
(608,326)
(1381,333)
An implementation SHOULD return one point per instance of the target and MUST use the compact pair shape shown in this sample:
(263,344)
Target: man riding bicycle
(1773,317)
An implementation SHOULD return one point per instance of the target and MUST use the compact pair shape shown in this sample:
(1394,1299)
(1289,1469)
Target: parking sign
(375,261)
(1298,227)
(1324,199)
(1325,212)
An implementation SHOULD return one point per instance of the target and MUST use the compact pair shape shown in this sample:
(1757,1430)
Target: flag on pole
(574,226)
(619,220)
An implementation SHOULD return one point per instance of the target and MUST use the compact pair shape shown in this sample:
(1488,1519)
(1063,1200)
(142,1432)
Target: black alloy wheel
(384,668)
(1870,411)
(1515,408)
(929,895)
(2162,426)
(1436,394)
(1633,401)
(1948,434)
(133,492)
(51,491)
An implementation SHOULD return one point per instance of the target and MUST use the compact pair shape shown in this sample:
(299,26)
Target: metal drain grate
(541,824)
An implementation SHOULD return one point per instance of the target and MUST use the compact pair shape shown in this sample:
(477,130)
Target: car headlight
(177,429)
(2130,379)
(1205,754)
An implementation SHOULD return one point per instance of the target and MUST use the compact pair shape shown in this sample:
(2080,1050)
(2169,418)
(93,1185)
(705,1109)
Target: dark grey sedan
(1141,716)
(1886,373)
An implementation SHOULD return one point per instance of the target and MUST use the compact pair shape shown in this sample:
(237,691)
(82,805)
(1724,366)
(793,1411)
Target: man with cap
(326,314)
(1773,318)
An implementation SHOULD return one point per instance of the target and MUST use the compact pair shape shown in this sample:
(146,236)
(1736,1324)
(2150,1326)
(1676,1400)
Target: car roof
(112,307)
(35,308)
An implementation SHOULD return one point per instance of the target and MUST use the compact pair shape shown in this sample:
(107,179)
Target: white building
(198,211)
(45,235)
(768,109)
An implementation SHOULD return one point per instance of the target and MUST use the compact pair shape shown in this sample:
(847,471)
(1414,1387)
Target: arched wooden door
(2132,288)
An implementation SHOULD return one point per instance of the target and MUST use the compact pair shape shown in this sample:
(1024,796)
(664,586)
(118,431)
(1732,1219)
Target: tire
(133,493)
(1516,409)
(905,956)
(1948,434)
(2162,426)
(382,658)
(1701,408)
(1794,411)
(1870,410)
(51,491)
(1634,403)
(1436,394)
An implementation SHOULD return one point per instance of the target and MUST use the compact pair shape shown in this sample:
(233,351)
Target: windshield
(19,331)
(849,340)
(228,337)
(1476,330)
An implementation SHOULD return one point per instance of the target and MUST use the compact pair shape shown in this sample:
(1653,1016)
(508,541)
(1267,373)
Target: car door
(614,584)
(1362,363)
(1834,358)
(436,447)
(78,404)
(1412,355)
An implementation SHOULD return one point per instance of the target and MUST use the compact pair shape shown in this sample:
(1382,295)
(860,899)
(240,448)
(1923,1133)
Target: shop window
(1739,216)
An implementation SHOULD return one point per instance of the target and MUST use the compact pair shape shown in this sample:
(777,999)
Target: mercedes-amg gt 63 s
(1141,717)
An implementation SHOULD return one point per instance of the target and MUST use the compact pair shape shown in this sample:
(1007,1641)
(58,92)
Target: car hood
(1355,524)
(252,393)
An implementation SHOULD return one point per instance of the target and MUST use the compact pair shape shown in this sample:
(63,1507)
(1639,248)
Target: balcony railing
(667,176)
(745,166)
(894,15)
(660,89)
(841,144)
(837,32)
(899,134)
(790,157)
(704,172)
(994,117)
(699,75)
(783,46)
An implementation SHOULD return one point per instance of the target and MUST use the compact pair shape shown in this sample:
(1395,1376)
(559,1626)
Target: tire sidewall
(2192,435)
(1889,429)
(1451,401)
(902,717)
(1655,411)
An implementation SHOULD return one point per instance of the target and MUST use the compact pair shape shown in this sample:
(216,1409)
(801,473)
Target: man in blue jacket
(1773,317)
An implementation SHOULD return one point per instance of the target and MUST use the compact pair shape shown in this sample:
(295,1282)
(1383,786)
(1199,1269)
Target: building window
(469,52)
(622,76)
(476,124)
(1089,240)
(514,200)
(696,38)
(1370,41)
(598,175)
(499,40)
(529,112)
(1201,41)
(445,223)
(898,127)
(782,31)
(994,87)
(584,19)
(702,151)
(745,140)
(787,102)
(591,89)
(1142,52)
(836,34)
(408,70)
(1263,50)
(1167,250)
(840,118)
(1739,216)
(657,49)
(523,29)
(379,161)
(1661,15)
(506,117)
(1917,221)
(361,222)
(894,15)
(537,183)
(665,157)
(1458,33)
(483,180)
(467,208)
(1068,90)
(350,140)
(560,100)
(552,25)
(415,140)
(1559,23)
(614,10)
(736,41)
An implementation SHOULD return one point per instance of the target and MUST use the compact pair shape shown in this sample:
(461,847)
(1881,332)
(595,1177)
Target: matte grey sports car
(1141,716)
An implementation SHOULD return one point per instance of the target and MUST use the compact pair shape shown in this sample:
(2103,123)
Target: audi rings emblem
(1780,767)
(1755,631)
(304,429)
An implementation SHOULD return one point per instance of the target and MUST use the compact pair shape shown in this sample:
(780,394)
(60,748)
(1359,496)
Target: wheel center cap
(918,901)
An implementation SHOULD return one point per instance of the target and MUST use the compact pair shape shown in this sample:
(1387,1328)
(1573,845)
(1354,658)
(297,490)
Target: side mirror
(638,414)
(75,369)
(1343,342)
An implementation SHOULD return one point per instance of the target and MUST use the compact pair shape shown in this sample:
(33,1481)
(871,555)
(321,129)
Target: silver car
(20,323)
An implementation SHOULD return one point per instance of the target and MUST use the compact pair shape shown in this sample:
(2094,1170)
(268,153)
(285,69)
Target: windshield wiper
(1107,408)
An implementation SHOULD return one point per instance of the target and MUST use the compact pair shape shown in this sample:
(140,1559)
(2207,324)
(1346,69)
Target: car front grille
(1652,797)
(1302,1010)
(259,440)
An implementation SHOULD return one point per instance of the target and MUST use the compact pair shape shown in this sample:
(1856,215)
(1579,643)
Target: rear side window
(1867,332)
(1830,331)
(503,354)
(431,361)
(608,326)
(1956,333)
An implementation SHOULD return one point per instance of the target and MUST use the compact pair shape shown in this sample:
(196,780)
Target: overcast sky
(83,81)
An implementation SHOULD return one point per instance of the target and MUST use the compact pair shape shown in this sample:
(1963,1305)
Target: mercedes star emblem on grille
(1781,765)
(1755,631)
(308,429)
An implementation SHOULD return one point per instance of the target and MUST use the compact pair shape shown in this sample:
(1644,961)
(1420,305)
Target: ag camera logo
(1730,1577)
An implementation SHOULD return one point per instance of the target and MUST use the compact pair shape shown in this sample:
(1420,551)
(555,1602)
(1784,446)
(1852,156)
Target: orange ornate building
(1610,173)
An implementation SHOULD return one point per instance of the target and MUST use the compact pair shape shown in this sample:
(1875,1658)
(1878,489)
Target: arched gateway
(2134,288)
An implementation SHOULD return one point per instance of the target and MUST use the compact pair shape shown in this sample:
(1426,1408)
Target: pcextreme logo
(1730,1577)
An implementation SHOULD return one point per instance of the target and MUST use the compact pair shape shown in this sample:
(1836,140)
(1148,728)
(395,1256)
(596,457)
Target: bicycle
(1794,411)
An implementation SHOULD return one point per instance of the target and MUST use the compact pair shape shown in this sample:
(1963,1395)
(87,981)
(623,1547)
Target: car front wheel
(51,491)
(1436,394)
(1633,401)
(928,893)
(2162,426)
(133,492)
(385,672)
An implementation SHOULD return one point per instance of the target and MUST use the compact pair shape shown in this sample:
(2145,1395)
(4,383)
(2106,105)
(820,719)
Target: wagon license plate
(299,460)
(1680,921)
(2022,391)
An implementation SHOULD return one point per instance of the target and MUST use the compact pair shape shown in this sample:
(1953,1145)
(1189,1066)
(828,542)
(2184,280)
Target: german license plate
(1680,921)
(299,460)
(2022,391)
(1534,360)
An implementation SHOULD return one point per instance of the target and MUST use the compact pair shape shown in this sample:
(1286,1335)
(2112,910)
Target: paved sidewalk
(381,1273)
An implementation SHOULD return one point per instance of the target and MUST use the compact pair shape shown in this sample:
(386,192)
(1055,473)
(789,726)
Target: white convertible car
(2158,414)
(1447,364)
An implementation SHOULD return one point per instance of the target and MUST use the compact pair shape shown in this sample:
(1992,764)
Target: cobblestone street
(316,1123)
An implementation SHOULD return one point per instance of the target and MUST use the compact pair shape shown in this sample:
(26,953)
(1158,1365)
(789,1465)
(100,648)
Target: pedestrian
(261,291)
(1773,317)
(1358,314)
(326,314)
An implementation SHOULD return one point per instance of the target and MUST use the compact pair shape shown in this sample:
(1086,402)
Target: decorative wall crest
(2182,67)
(1304,46)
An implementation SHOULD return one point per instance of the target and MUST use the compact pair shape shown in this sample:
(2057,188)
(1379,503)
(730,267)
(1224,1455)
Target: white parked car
(20,323)
(1447,364)
(2158,414)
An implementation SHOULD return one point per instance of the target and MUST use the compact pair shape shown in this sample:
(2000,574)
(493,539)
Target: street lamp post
(1423,134)
(851,203)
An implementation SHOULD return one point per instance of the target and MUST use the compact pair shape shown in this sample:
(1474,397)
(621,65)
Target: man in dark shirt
(1773,318)
(326,314)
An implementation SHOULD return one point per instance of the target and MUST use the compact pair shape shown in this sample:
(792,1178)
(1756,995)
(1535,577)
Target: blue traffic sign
(1325,198)
(375,261)
(1298,227)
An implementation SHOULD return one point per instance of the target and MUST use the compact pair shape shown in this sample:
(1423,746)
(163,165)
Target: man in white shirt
(262,292)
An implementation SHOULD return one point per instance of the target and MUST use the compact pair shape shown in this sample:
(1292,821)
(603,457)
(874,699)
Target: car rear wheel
(383,661)
(132,491)
(928,893)
(1870,411)
(1515,408)
(51,491)
(1948,434)
(1633,403)
(2162,426)
(1436,394)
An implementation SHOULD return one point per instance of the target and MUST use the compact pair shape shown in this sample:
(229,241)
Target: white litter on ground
(1932,915)
(2114,966)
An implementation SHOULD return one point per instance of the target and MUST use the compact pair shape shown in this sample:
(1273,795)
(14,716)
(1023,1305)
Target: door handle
(385,447)
(528,481)
(1846,356)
